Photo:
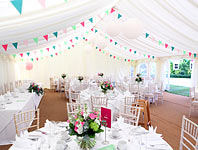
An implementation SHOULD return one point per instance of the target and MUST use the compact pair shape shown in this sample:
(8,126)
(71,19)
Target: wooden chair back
(23,120)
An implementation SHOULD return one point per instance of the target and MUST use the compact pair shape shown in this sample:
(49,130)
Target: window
(143,69)
(152,70)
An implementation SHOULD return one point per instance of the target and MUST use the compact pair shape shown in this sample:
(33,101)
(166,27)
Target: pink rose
(110,85)
(96,112)
(92,116)
(75,129)
(68,121)
(106,85)
(76,123)
(75,117)
(82,123)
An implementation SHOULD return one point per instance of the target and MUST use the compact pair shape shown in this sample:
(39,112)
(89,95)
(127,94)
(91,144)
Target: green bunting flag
(74,27)
(65,1)
(125,48)
(159,42)
(68,48)
(35,40)
(147,35)
(106,37)
(144,55)
(119,16)
(41,51)
(125,59)
(172,48)
(184,52)
(195,55)
(14,55)
(15,44)
(28,53)
(55,34)
(54,47)
(65,43)
(96,47)
(32,59)
(87,32)
(107,12)
(91,20)
(51,55)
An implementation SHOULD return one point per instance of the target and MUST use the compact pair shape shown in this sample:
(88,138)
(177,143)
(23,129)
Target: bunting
(15,44)
(17,4)
(55,34)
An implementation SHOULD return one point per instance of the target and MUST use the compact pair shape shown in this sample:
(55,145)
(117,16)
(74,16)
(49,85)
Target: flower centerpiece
(80,78)
(63,75)
(100,74)
(35,88)
(139,78)
(85,126)
(106,85)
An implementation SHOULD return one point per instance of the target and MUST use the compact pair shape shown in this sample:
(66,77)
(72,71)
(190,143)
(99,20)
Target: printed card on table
(106,116)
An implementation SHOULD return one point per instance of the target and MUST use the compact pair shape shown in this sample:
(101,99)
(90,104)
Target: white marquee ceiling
(174,22)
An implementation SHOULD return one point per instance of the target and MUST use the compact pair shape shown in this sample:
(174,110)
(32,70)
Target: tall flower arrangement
(139,78)
(106,85)
(101,74)
(80,78)
(35,88)
(63,75)
(85,126)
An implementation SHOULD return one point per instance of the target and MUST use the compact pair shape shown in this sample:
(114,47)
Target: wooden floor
(167,117)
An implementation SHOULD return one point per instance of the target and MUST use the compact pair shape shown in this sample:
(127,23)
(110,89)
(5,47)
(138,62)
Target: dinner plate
(115,137)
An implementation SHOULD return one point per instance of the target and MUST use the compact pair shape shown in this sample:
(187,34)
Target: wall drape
(74,62)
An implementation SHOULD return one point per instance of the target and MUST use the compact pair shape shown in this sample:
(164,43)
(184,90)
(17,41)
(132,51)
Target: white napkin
(1,98)
(8,93)
(152,129)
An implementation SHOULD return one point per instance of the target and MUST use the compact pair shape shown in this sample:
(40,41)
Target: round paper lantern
(132,28)
(101,42)
(29,66)
(113,28)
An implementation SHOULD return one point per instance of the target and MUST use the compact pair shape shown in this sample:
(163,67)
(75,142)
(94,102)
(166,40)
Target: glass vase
(85,142)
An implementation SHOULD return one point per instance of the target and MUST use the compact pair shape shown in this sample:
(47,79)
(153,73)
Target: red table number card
(106,116)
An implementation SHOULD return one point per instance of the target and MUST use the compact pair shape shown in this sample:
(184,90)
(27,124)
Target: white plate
(113,137)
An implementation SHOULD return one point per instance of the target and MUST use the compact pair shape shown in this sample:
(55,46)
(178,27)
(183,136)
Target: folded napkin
(152,129)
(109,147)
(1,98)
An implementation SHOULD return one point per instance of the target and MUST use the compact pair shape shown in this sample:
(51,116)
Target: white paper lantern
(132,28)
(101,42)
(113,29)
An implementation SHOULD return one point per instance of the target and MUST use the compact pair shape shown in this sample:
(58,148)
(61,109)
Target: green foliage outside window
(184,70)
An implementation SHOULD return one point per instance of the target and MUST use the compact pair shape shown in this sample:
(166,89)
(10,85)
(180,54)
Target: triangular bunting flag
(114,57)
(65,43)
(147,35)
(96,30)
(99,50)
(66,1)
(184,52)
(17,4)
(46,37)
(92,29)
(153,57)
(74,27)
(35,40)
(71,40)
(54,47)
(55,34)
(47,49)
(5,47)
(166,45)
(28,53)
(68,47)
(42,2)
(190,53)
(130,50)
(73,46)
(76,38)
(111,40)
(148,56)
(119,16)
(21,54)
(195,55)
(116,43)
(110,55)
(91,20)
(159,42)
(134,52)
(56,54)
(112,10)
(144,55)
(51,55)
(83,24)
(172,48)
(37,59)
(125,48)
(14,55)
(15,44)
(32,59)
(107,12)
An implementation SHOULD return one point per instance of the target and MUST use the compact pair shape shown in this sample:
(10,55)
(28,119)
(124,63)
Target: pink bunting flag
(46,37)
(73,46)
(166,45)
(92,29)
(37,59)
(47,49)
(149,56)
(56,54)
(21,54)
(65,31)
(112,10)
(114,57)
(25,42)
(42,2)
(85,39)
(190,53)
(83,24)
(128,60)
(100,50)
(5,47)
(111,40)
(71,40)
(130,50)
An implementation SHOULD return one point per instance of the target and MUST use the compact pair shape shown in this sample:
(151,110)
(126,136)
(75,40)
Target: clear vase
(85,142)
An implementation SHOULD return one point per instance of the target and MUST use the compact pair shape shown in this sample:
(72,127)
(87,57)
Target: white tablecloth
(128,133)
(23,102)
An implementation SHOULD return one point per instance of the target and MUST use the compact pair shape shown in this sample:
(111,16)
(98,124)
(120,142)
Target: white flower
(97,121)
(80,129)
(85,114)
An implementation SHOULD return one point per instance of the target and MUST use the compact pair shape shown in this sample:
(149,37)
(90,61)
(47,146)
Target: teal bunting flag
(51,55)
(32,59)
(96,30)
(153,57)
(134,52)
(172,48)
(195,55)
(116,43)
(68,48)
(125,59)
(54,47)
(55,34)
(119,16)
(15,44)
(96,47)
(91,20)
(28,53)
(110,55)
(17,4)
(147,35)
(76,38)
